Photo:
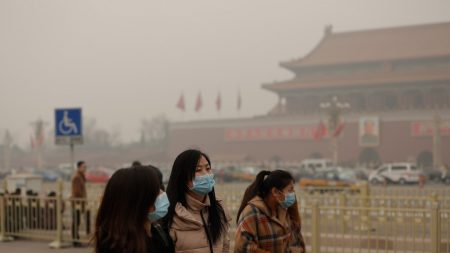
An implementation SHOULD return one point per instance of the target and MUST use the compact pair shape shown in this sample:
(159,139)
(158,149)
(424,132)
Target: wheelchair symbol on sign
(66,125)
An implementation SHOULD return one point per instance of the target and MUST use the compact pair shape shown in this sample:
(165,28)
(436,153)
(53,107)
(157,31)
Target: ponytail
(262,186)
(253,190)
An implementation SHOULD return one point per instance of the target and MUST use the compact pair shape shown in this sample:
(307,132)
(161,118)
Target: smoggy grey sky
(122,61)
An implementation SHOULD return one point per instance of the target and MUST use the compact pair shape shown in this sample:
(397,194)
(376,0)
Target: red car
(97,176)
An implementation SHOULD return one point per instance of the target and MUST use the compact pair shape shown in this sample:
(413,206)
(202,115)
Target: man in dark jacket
(79,196)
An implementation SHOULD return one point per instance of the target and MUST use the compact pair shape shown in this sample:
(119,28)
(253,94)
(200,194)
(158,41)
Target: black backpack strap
(162,237)
(208,234)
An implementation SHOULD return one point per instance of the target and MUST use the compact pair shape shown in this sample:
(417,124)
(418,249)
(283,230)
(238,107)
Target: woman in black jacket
(126,219)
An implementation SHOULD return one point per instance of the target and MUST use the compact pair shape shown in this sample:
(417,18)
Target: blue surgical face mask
(289,200)
(203,185)
(161,206)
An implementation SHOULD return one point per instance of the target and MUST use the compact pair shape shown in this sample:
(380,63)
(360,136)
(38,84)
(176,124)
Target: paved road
(26,246)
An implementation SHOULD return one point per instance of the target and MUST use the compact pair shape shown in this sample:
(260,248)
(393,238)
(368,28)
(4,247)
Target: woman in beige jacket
(196,219)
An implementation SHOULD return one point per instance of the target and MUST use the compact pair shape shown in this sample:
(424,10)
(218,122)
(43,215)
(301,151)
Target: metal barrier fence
(445,231)
(343,199)
(333,221)
(438,190)
(360,229)
(22,216)
(64,221)
(339,221)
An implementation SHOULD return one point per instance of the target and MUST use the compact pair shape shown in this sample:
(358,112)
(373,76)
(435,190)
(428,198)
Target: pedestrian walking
(268,218)
(197,221)
(79,197)
(131,205)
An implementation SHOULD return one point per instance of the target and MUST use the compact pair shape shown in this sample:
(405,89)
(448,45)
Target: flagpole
(239,103)
(199,105)
(218,104)
(334,109)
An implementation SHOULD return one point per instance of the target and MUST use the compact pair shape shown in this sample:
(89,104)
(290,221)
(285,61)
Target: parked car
(329,179)
(247,173)
(97,176)
(66,171)
(432,175)
(401,173)
(362,173)
(48,175)
(446,177)
(316,164)
(348,175)
(4,174)
(226,174)
(24,182)
(300,172)
(236,173)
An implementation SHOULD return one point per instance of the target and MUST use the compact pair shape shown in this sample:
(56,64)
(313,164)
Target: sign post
(68,131)
(68,128)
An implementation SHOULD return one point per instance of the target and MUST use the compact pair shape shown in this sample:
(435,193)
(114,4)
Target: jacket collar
(185,219)
(281,219)
(196,205)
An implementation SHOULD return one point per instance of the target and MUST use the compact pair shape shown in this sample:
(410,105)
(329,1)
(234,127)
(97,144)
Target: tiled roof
(380,78)
(409,42)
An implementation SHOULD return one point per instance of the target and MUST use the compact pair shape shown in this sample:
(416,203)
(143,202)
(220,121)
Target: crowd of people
(137,214)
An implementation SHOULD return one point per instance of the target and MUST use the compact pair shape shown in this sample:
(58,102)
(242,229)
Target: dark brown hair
(264,182)
(183,170)
(123,211)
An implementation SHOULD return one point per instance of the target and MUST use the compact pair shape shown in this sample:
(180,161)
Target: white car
(400,173)
(316,164)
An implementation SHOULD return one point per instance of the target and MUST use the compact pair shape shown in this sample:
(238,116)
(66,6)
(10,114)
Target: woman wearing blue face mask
(268,218)
(130,206)
(197,220)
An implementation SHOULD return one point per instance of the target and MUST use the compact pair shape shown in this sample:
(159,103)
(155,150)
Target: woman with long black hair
(268,218)
(196,219)
(130,207)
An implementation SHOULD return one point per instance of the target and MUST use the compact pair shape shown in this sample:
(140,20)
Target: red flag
(339,129)
(239,101)
(218,102)
(198,102)
(320,131)
(180,104)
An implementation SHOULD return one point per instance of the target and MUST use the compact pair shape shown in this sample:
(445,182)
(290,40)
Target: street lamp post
(38,126)
(437,153)
(333,111)
(7,143)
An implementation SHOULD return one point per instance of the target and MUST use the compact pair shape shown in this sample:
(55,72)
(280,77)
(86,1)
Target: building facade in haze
(395,80)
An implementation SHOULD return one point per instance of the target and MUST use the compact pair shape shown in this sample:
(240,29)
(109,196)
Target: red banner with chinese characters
(303,132)
(419,129)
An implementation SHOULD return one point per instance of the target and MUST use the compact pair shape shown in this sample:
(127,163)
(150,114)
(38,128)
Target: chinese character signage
(299,132)
(425,128)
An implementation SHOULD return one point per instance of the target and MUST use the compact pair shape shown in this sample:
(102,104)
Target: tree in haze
(155,132)
(6,150)
(97,137)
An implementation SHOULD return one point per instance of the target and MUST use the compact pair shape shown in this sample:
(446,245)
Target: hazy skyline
(123,61)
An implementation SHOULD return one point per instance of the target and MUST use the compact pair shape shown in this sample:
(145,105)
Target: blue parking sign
(68,125)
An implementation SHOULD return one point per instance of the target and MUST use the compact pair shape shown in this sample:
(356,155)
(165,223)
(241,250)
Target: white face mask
(203,184)
(161,206)
(289,200)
